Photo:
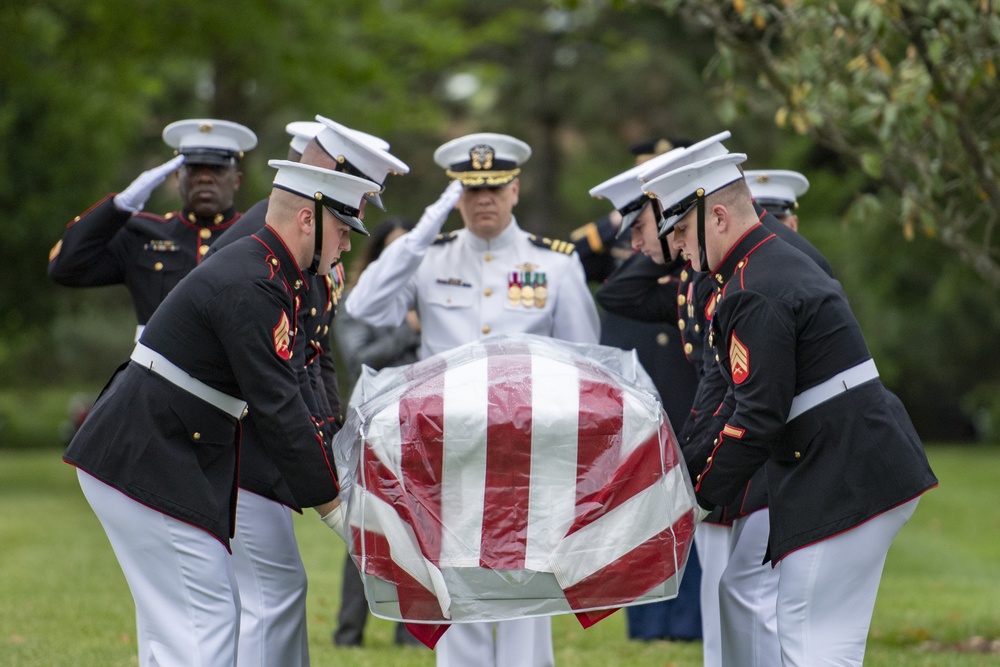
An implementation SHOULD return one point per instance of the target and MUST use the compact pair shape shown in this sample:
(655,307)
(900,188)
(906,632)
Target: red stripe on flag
(599,436)
(634,475)
(636,572)
(508,458)
(421,431)
(415,602)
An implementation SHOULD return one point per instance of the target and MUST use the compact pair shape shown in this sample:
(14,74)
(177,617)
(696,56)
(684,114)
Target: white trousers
(187,606)
(712,540)
(272,585)
(525,642)
(748,594)
(826,593)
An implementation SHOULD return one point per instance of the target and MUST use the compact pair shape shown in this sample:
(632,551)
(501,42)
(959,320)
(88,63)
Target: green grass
(64,602)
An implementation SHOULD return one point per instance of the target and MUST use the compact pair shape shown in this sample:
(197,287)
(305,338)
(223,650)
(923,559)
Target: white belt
(838,384)
(162,366)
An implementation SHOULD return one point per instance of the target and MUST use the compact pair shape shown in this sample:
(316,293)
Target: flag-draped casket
(511,477)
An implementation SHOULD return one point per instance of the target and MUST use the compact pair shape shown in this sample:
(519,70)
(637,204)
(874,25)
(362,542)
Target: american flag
(511,477)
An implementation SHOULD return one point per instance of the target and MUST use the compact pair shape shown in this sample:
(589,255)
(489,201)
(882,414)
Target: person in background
(489,277)
(115,242)
(606,247)
(269,570)
(378,347)
(778,191)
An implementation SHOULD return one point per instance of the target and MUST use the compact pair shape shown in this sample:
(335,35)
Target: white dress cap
(362,154)
(680,157)
(776,185)
(483,159)
(624,191)
(675,189)
(341,193)
(209,141)
(302,131)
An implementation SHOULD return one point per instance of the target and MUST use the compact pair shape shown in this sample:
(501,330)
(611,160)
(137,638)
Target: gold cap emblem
(481,156)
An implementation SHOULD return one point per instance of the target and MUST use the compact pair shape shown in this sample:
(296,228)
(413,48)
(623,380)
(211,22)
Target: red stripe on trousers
(508,458)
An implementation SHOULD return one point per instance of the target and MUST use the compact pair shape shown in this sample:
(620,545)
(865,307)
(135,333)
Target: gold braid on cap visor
(483,177)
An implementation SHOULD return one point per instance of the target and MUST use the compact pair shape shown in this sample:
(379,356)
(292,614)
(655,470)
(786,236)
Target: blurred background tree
(890,112)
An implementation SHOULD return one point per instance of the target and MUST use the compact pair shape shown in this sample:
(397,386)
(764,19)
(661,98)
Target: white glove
(335,520)
(430,223)
(134,197)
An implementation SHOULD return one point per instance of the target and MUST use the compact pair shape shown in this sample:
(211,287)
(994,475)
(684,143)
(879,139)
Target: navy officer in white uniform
(492,277)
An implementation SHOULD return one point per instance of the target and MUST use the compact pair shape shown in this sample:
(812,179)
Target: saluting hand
(134,197)
(432,220)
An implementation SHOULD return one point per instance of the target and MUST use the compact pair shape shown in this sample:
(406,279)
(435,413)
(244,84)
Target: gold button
(312,311)
(798,455)
(205,233)
(741,264)
(688,348)
(487,257)
(698,478)
(715,442)
(486,330)
(681,300)
(318,327)
(245,411)
(274,261)
(168,216)
(196,435)
(697,328)
(202,250)
(684,274)
(662,338)
(716,357)
(158,266)
(76,219)
(488,292)
(326,330)
(708,460)
(681,324)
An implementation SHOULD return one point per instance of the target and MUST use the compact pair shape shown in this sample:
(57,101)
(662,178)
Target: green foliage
(905,90)
(876,102)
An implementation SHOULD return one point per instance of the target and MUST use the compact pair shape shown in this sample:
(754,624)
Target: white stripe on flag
(555,405)
(626,527)
(640,422)
(464,472)
(379,517)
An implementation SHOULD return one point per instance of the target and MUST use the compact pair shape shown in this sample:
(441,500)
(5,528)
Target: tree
(906,89)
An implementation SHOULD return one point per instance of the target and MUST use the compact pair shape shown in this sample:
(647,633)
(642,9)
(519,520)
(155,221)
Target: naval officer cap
(624,191)
(483,159)
(678,191)
(360,154)
(342,194)
(302,131)
(209,141)
(777,190)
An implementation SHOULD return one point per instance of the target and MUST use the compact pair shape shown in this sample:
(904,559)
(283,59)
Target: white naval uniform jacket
(460,288)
